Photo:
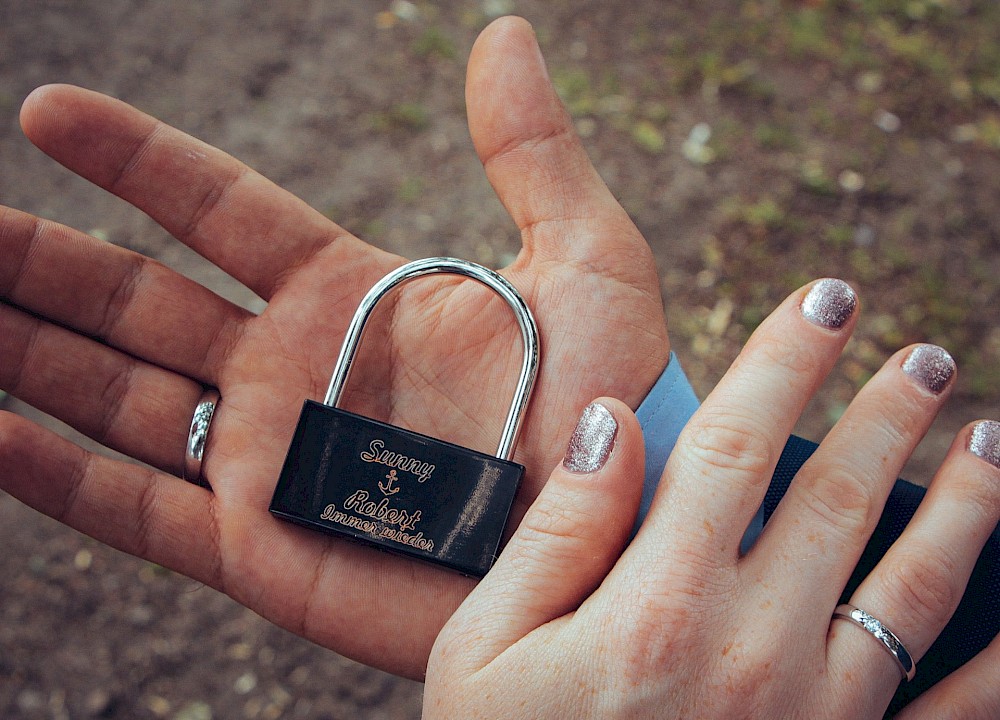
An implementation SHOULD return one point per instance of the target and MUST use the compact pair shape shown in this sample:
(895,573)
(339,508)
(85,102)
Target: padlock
(396,489)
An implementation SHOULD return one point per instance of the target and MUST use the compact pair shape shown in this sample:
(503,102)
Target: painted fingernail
(830,304)
(592,441)
(931,366)
(985,441)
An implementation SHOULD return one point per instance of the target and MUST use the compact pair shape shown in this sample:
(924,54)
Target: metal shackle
(455,266)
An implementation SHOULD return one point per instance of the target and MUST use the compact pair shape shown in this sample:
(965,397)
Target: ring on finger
(886,637)
(201,420)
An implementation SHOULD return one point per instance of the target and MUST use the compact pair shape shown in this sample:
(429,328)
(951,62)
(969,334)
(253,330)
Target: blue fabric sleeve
(662,416)
(672,402)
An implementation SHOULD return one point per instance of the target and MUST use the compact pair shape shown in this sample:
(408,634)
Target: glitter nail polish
(930,366)
(592,440)
(830,304)
(985,441)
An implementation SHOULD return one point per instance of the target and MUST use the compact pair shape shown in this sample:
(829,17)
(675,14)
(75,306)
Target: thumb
(535,162)
(566,544)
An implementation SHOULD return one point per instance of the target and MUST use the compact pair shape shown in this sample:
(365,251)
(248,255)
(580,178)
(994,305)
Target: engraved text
(376,453)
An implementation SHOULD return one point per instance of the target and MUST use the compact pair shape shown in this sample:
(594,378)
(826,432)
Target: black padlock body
(398,490)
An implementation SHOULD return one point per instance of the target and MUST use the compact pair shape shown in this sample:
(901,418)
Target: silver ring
(198,436)
(880,632)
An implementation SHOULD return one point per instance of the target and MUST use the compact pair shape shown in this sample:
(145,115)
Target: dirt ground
(757,144)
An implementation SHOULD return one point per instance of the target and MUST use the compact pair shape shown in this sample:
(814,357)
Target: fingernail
(592,440)
(931,366)
(985,441)
(830,304)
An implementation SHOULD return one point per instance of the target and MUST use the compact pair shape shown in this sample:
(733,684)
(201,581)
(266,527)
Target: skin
(120,347)
(571,623)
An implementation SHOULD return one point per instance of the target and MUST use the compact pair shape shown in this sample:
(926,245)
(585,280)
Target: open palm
(120,347)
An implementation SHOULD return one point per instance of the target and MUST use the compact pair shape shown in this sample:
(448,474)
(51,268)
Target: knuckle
(23,342)
(24,235)
(117,304)
(842,500)
(551,529)
(78,477)
(731,445)
(977,492)
(652,635)
(661,622)
(147,503)
(117,389)
(790,357)
(553,519)
(744,678)
(922,584)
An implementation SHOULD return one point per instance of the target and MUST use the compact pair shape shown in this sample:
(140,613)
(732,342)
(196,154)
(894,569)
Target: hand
(120,347)
(679,625)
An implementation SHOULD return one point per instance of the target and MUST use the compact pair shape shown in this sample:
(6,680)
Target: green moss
(774,136)
(840,237)
(575,90)
(765,213)
(410,190)
(434,42)
(648,137)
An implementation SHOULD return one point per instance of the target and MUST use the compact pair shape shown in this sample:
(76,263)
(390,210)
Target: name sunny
(376,453)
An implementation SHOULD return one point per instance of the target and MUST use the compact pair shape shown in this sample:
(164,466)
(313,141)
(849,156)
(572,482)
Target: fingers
(125,299)
(536,163)
(917,585)
(970,693)
(130,406)
(719,471)
(833,505)
(568,540)
(211,202)
(162,519)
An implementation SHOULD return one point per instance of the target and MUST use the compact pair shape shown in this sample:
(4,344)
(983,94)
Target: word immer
(382,520)
(377,453)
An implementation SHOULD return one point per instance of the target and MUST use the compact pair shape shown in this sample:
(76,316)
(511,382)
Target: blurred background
(757,144)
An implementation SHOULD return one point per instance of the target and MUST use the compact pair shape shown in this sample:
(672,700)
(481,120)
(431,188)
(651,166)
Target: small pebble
(695,148)
(887,121)
(157,705)
(405,10)
(851,181)
(98,702)
(870,82)
(83,560)
(240,651)
(965,133)
(245,683)
(497,8)
(30,701)
(140,615)
(864,235)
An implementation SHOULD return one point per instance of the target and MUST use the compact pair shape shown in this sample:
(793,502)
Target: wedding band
(881,633)
(198,436)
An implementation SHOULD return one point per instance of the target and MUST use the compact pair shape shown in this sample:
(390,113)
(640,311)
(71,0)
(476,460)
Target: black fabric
(976,621)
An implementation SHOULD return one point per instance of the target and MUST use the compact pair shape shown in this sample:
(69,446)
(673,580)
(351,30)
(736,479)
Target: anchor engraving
(387,487)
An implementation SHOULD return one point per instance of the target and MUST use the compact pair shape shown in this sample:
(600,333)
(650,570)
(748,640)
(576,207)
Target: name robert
(359,502)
